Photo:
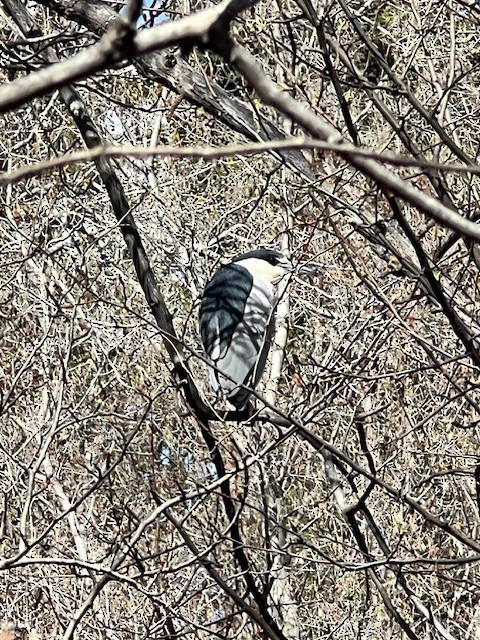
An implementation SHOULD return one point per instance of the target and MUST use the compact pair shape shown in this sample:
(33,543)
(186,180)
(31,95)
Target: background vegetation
(349,507)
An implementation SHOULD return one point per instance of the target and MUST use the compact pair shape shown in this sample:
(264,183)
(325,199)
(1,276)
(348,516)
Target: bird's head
(270,264)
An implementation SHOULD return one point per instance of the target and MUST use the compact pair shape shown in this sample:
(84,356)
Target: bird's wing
(223,307)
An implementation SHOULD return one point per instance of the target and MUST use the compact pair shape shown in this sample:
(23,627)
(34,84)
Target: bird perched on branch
(237,320)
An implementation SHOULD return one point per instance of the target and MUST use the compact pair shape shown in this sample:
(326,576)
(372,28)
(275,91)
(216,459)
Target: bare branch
(212,153)
(119,43)
(272,95)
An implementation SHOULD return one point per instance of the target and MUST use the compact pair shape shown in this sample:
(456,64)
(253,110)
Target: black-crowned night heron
(237,320)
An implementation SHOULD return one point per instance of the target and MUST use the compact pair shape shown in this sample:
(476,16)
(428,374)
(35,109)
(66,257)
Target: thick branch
(272,95)
(119,43)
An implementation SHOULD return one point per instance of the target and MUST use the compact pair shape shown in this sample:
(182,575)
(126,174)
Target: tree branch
(272,95)
(119,43)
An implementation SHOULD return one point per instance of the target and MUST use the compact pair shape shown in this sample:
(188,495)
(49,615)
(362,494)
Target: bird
(237,320)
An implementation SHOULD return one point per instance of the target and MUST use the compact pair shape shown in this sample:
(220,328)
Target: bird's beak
(308,271)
